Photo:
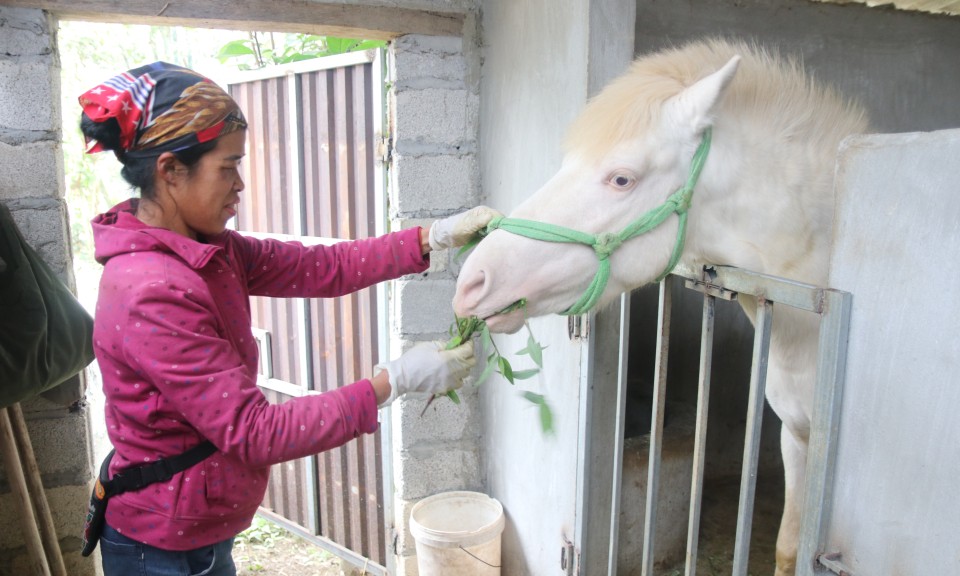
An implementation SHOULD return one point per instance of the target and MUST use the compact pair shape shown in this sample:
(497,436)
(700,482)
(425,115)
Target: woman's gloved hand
(428,369)
(457,230)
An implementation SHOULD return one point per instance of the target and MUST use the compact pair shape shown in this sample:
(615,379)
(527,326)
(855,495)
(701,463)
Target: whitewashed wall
(894,506)
(541,61)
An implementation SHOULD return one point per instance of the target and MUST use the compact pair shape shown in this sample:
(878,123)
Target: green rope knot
(606,243)
(682,200)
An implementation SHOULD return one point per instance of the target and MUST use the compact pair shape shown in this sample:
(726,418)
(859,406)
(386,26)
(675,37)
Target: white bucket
(457,533)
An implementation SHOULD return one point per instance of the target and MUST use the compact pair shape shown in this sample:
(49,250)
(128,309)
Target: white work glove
(457,230)
(429,369)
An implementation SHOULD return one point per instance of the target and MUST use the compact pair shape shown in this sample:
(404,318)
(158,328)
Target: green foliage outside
(262,49)
(262,532)
(266,546)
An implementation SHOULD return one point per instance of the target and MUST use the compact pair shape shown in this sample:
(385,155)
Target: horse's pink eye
(621,180)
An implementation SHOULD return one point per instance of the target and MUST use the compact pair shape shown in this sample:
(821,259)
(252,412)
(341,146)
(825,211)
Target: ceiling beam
(950,7)
(305,16)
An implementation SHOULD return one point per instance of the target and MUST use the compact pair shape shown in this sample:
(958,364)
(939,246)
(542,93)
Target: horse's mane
(768,90)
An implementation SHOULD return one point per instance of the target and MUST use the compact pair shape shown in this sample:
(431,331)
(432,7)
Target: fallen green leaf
(525,374)
(546,414)
(546,418)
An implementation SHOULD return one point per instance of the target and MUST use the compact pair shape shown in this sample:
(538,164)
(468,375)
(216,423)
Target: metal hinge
(567,559)
(384,149)
(711,289)
(706,286)
(832,563)
(578,327)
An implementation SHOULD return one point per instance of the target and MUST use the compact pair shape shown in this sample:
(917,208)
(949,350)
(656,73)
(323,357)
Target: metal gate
(312,175)
(833,307)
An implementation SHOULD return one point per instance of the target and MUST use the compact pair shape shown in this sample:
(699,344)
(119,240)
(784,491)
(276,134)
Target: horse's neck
(776,220)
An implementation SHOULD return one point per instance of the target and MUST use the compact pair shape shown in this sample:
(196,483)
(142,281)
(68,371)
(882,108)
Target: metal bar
(751,448)
(294,171)
(824,430)
(782,291)
(382,341)
(301,307)
(832,563)
(585,471)
(700,438)
(618,435)
(656,432)
(302,67)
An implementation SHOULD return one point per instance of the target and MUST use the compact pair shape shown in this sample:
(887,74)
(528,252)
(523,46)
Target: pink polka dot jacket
(179,362)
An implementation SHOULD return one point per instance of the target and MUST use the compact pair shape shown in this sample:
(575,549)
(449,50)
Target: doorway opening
(91,53)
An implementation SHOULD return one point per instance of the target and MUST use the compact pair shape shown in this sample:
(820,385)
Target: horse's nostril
(472,289)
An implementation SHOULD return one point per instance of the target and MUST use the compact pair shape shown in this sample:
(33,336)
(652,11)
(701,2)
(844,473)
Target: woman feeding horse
(193,435)
(711,153)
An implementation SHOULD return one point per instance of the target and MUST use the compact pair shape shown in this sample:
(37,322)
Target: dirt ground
(718,529)
(269,550)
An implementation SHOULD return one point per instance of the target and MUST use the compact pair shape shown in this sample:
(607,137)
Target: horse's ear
(693,108)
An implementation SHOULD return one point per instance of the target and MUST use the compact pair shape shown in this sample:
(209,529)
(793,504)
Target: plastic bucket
(457,533)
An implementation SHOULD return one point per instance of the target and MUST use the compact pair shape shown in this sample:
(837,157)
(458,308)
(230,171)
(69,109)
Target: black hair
(138,168)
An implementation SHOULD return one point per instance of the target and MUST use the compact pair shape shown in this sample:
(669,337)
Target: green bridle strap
(606,243)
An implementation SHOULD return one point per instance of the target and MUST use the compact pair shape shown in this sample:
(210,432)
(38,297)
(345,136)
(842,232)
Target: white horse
(763,202)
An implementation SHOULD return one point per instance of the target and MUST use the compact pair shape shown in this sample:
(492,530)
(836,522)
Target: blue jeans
(125,557)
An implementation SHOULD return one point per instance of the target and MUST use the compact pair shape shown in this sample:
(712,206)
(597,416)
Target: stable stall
(567,509)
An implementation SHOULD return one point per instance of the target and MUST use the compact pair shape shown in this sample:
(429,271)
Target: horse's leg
(790,378)
(794,452)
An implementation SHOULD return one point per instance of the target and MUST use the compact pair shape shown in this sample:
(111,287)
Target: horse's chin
(506,323)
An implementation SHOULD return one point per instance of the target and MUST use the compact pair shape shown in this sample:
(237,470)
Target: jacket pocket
(214,480)
(201,489)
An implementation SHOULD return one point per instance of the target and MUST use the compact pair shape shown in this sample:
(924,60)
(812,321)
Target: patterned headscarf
(162,107)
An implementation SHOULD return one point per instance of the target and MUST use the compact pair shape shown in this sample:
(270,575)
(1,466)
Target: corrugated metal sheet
(339,144)
(932,6)
(310,172)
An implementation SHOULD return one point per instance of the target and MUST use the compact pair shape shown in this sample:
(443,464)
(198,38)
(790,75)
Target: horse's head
(627,153)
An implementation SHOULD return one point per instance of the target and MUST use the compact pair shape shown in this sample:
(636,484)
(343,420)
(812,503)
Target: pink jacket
(179,362)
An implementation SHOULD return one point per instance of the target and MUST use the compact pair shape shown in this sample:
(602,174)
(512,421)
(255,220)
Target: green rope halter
(605,243)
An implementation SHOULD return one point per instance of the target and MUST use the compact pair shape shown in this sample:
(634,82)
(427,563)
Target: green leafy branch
(464,329)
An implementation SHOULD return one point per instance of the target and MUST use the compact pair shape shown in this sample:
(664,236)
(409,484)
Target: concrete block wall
(434,173)
(31,186)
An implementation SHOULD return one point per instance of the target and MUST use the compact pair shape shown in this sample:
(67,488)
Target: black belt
(162,470)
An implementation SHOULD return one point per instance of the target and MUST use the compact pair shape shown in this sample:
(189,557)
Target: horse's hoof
(788,570)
